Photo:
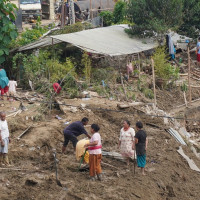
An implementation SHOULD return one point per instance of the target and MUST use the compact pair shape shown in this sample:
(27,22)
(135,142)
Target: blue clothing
(3,79)
(141,161)
(75,128)
(72,131)
(198,46)
(4,149)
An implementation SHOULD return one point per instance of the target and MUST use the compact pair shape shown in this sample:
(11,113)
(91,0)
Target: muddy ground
(32,176)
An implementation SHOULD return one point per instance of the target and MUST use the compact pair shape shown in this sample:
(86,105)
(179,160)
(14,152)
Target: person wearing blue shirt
(72,131)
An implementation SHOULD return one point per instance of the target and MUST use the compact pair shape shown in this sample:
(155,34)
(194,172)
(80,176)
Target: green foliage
(8,31)
(109,75)
(42,70)
(107,18)
(86,62)
(148,93)
(131,95)
(151,16)
(184,87)
(30,35)
(163,69)
(73,28)
(119,12)
(191,25)
(102,91)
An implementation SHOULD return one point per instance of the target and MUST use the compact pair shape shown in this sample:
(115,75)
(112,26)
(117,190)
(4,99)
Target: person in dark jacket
(72,131)
(141,142)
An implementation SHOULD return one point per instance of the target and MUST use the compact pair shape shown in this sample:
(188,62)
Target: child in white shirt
(12,87)
(4,139)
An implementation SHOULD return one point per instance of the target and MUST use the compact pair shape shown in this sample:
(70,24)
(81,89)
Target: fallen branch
(108,165)
(18,169)
(15,113)
(24,132)
(13,169)
(191,102)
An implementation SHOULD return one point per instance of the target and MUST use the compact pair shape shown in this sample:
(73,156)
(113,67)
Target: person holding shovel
(4,139)
(141,142)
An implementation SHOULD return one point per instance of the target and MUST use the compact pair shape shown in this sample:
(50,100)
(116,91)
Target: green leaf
(6,20)
(13,34)
(5,28)
(6,50)
(1,52)
(2,59)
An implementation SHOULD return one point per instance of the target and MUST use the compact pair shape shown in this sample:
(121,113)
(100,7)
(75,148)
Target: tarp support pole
(189,84)
(154,84)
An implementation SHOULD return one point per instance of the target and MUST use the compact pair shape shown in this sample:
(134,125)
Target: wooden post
(91,12)
(63,14)
(154,84)
(189,84)
(139,65)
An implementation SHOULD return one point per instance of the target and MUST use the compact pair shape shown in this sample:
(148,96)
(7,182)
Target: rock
(170,191)
(31,182)
(161,184)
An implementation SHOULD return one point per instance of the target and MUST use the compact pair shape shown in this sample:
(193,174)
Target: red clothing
(4,90)
(198,57)
(57,88)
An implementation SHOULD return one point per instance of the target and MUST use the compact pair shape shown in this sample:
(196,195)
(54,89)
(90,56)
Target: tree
(191,13)
(8,31)
(150,16)
(119,12)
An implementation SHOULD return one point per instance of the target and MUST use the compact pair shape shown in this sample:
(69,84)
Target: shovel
(57,181)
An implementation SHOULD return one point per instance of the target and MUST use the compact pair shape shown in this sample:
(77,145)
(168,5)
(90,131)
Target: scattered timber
(19,137)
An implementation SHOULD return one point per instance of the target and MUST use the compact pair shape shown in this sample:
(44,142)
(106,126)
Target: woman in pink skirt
(126,141)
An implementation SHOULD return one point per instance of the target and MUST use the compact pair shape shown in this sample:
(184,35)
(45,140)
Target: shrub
(163,69)
(119,12)
(107,18)
(86,62)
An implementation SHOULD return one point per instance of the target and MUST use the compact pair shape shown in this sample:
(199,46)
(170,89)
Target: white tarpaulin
(110,40)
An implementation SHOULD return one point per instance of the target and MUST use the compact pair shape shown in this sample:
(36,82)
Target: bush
(41,69)
(148,93)
(163,69)
(107,74)
(86,62)
(119,12)
(107,18)
(30,35)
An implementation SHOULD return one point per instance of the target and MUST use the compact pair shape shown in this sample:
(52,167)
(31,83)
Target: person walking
(141,143)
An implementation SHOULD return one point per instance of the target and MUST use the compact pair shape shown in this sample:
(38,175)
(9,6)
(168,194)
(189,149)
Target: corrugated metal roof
(112,41)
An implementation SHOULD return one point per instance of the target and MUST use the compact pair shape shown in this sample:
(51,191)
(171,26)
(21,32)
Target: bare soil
(168,175)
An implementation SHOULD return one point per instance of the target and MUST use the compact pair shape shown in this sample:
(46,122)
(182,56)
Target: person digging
(4,140)
(72,131)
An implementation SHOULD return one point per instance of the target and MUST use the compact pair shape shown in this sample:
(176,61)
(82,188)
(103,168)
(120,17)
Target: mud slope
(168,178)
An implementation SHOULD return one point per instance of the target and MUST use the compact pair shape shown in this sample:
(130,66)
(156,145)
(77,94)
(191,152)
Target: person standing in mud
(4,139)
(141,142)
(95,157)
(72,131)
(126,141)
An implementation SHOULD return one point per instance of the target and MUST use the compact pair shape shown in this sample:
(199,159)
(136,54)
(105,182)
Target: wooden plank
(24,132)
(154,84)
